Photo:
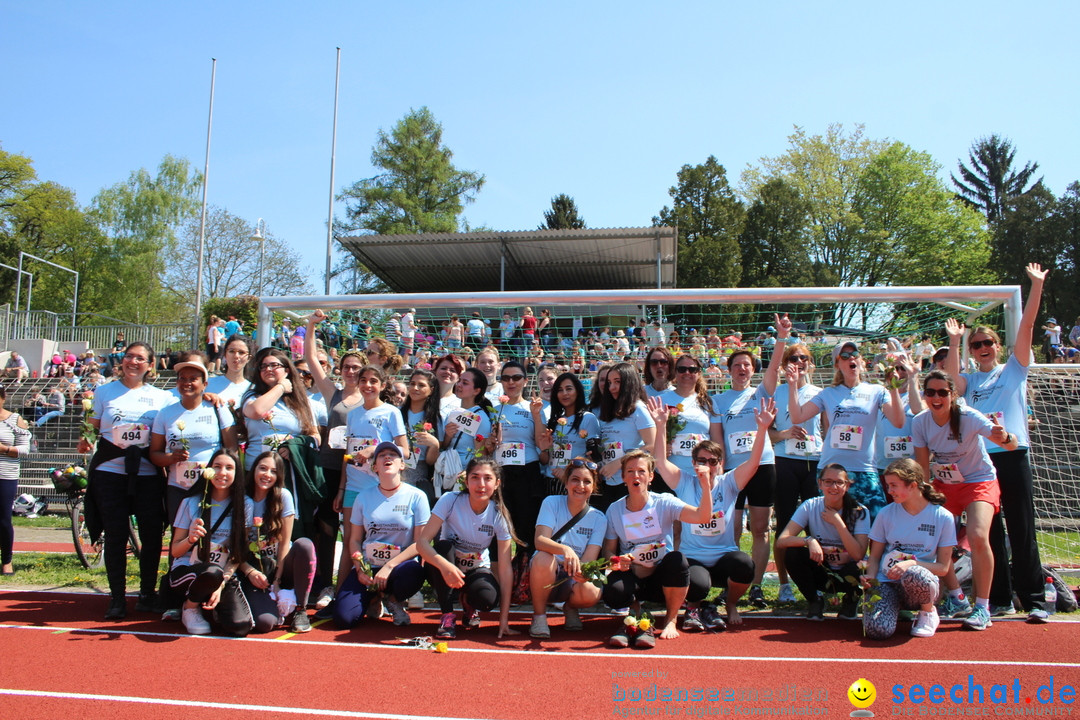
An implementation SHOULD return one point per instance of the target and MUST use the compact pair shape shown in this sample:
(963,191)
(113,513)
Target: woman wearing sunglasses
(733,426)
(517,456)
(798,449)
(712,547)
(692,409)
(962,472)
(1000,391)
(659,366)
(851,407)
(568,533)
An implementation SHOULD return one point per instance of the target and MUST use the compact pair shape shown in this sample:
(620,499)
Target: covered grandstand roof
(596,259)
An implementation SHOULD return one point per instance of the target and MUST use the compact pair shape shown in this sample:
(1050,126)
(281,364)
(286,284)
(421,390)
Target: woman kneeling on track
(837,533)
(209,535)
(963,473)
(710,547)
(473,519)
(911,543)
(568,533)
(640,542)
(290,564)
(386,519)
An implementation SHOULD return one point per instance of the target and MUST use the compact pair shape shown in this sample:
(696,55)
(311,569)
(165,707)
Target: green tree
(709,218)
(563,215)
(418,189)
(990,184)
(1066,278)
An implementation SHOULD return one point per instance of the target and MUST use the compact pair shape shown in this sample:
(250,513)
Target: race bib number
(337,438)
(641,525)
(808,445)
(741,442)
(897,447)
(893,557)
(613,451)
(835,556)
(649,554)
(684,443)
(467,422)
(378,553)
(714,527)
(466,561)
(217,556)
(184,474)
(126,435)
(846,437)
(559,455)
(511,454)
(947,473)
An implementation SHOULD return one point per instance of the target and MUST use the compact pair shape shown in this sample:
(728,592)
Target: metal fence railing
(97,331)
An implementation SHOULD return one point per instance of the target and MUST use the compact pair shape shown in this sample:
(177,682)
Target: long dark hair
(431,405)
(954,407)
(296,401)
(240,338)
(272,520)
(631,393)
(237,494)
(911,473)
(481,384)
(851,510)
(557,410)
(497,496)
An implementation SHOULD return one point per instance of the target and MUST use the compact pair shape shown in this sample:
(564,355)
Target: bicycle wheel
(90,553)
(134,544)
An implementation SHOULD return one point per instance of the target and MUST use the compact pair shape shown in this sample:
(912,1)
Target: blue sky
(604,101)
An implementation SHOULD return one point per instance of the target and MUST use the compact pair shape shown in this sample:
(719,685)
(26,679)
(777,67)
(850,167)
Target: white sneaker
(324,598)
(194,622)
(786,594)
(926,624)
(416,602)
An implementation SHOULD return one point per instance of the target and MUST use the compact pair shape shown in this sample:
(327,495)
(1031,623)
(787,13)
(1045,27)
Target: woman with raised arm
(911,543)
(711,547)
(733,426)
(999,390)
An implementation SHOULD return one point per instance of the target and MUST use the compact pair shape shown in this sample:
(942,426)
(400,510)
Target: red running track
(60,660)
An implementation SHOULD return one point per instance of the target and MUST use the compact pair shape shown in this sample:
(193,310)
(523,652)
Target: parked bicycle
(72,482)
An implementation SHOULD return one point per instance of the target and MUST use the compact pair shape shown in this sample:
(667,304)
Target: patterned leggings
(916,587)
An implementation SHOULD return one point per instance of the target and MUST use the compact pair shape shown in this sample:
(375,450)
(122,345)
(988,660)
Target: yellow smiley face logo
(862,693)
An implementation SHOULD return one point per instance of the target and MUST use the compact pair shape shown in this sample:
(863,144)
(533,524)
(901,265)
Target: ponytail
(911,473)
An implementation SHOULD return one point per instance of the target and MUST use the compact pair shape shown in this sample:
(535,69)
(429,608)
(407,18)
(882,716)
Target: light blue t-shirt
(696,429)
(283,422)
(920,535)
(517,429)
(808,517)
(127,417)
(621,435)
(228,390)
(390,523)
(647,534)
(852,414)
(568,443)
(733,411)
(367,428)
(202,431)
(956,461)
(890,443)
(707,542)
(268,550)
(219,539)
(795,449)
(589,530)
(464,444)
(1002,391)
(471,534)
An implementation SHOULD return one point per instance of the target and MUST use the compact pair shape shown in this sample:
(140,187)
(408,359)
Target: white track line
(552,653)
(221,706)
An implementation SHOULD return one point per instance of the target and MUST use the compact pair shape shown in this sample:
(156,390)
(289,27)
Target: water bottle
(1050,595)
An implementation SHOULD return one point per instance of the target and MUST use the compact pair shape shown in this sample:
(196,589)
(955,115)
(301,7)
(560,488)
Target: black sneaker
(645,640)
(815,609)
(117,609)
(299,622)
(326,613)
(620,639)
(148,603)
(692,620)
(710,618)
(757,598)
(849,608)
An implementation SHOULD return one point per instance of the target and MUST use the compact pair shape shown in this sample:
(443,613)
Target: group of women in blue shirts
(483,489)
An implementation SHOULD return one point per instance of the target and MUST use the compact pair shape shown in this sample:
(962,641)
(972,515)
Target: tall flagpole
(333,156)
(202,222)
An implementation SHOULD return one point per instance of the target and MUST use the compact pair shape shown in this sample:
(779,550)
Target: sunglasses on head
(940,392)
(849,355)
(976,344)
(692,369)
(578,462)
(711,462)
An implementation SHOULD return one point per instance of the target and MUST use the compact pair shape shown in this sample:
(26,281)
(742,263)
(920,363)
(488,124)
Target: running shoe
(325,596)
(1038,616)
(375,609)
(398,613)
(117,609)
(815,609)
(447,627)
(298,621)
(326,612)
(621,638)
(1001,610)
(849,608)
(692,620)
(470,616)
(710,618)
(572,619)
(926,624)
(416,602)
(757,598)
(194,622)
(955,607)
(148,603)
(979,619)
(786,594)
(645,639)
(171,615)
(539,628)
